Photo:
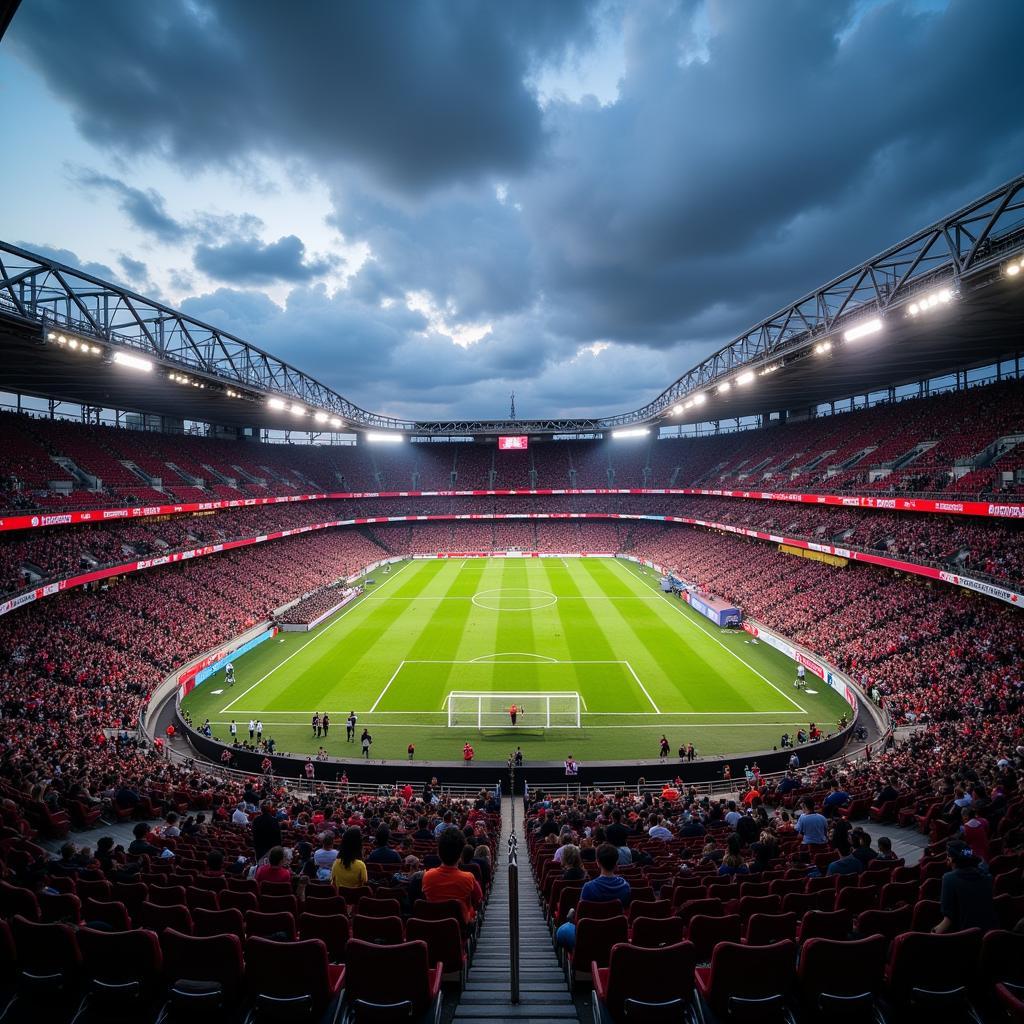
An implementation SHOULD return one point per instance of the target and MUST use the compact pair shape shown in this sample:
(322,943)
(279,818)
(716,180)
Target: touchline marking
(591,714)
(733,653)
(312,639)
(661,728)
(386,687)
(642,687)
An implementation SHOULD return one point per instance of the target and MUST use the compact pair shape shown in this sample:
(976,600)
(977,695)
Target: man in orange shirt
(448,882)
(513,713)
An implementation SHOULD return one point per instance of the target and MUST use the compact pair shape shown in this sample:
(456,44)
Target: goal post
(489,710)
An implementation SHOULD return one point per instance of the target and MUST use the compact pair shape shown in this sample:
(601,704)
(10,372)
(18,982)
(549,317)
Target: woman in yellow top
(348,870)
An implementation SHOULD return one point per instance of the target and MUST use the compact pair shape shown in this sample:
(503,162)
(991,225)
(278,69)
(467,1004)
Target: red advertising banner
(988,509)
(930,572)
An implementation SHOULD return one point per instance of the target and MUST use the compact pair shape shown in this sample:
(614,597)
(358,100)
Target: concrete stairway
(543,995)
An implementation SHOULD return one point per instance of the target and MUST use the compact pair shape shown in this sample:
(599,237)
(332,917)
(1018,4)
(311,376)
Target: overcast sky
(428,204)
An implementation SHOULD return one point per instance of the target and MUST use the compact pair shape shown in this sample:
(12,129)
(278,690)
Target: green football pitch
(642,662)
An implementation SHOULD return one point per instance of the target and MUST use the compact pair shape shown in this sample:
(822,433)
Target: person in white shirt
(259,729)
(252,728)
(658,829)
(325,857)
(800,681)
(233,729)
(229,673)
(239,817)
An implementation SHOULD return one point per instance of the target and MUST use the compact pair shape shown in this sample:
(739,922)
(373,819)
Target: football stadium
(482,537)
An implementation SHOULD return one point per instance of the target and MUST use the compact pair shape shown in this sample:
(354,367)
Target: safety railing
(513,917)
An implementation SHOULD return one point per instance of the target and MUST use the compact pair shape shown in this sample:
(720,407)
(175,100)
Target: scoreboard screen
(516,443)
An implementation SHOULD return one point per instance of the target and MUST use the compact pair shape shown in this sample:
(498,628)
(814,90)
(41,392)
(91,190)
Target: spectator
(348,870)
(966,899)
(606,887)
(813,827)
(266,830)
(277,867)
(447,882)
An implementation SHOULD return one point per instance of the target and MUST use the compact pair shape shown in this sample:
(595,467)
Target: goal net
(474,709)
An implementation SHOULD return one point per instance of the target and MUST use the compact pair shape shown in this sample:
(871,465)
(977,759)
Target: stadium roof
(939,301)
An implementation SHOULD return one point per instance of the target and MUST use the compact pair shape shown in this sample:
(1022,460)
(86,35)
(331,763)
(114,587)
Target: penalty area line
(311,640)
(387,686)
(657,711)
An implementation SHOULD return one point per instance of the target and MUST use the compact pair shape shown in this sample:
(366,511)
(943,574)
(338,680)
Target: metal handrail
(513,916)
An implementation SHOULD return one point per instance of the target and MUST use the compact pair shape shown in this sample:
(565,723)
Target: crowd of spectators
(899,447)
(311,608)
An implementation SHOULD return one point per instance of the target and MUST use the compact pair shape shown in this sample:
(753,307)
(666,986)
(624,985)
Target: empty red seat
(122,970)
(331,929)
(218,922)
(825,924)
(370,906)
(706,932)
(888,923)
(594,909)
(384,930)
(204,975)
(594,940)
(49,966)
(292,980)
(932,974)
(653,932)
(748,982)
(62,906)
(243,901)
(711,907)
(108,912)
(444,945)
(391,982)
(841,978)
(278,904)
(167,895)
(275,926)
(158,918)
(766,929)
(641,984)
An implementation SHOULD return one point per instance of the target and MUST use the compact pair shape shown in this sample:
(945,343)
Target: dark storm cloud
(144,208)
(250,262)
(753,152)
(418,94)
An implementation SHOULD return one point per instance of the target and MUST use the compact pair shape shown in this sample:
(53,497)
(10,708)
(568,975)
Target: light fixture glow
(822,347)
(1012,269)
(699,399)
(298,410)
(723,387)
(335,422)
(745,378)
(631,432)
(678,410)
(277,403)
(73,343)
(134,362)
(872,326)
(378,438)
(320,417)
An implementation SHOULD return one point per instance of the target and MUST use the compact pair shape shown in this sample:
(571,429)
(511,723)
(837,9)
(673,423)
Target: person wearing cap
(966,899)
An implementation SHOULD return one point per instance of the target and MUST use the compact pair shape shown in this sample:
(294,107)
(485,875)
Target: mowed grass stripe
(706,643)
(681,668)
(437,639)
(585,628)
(354,669)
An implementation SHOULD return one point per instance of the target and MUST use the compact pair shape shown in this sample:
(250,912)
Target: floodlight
(1012,269)
(384,438)
(723,387)
(699,399)
(863,330)
(745,378)
(320,417)
(678,410)
(298,410)
(335,422)
(277,403)
(632,432)
(73,343)
(822,347)
(134,362)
